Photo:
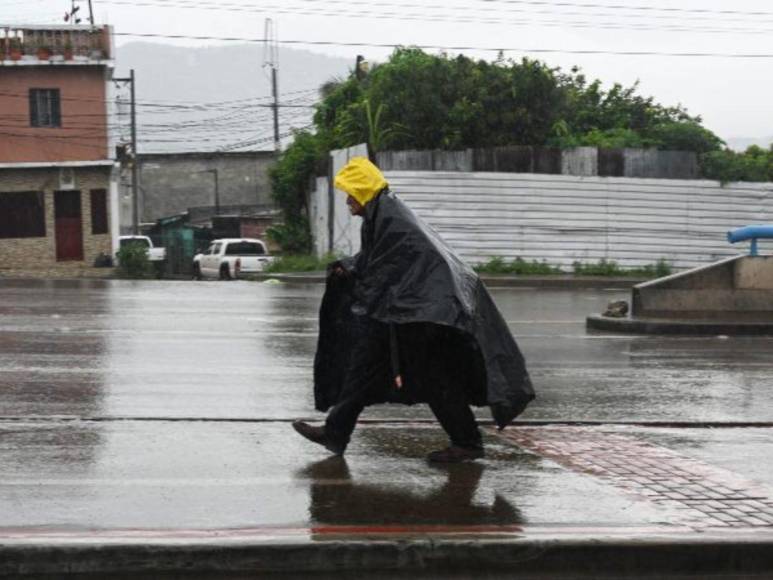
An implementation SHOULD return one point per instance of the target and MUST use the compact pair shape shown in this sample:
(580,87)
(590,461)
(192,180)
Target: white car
(229,258)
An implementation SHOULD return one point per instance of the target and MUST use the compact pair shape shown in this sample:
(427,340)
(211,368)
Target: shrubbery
(518,266)
(133,262)
(610,268)
(300,263)
(754,164)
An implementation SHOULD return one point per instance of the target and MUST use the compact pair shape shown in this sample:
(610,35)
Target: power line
(181,106)
(439,17)
(459,48)
(548,3)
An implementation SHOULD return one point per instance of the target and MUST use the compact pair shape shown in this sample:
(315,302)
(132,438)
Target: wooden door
(69,225)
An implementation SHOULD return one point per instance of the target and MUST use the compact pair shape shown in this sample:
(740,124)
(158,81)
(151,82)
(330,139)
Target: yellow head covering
(360,179)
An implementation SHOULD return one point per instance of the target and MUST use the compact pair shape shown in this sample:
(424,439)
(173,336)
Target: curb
(683,327)
(423,556)
(492,281)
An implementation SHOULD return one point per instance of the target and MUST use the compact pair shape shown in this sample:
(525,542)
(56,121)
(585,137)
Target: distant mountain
(742,143)
(209,98)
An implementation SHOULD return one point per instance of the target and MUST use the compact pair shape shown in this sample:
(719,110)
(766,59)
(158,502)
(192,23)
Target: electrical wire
(545,3)
(440,17)
(457,48)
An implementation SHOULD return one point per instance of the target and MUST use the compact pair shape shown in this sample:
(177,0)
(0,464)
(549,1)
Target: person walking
(407,321)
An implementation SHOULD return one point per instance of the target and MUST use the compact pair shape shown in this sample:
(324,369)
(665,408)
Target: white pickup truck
(229,258)
(155,254)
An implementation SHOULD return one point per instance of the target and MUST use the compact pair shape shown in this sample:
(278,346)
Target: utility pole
(135,157)
(271,60)
(275,107)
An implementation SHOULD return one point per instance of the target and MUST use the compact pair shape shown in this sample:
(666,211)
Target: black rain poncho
(406,274)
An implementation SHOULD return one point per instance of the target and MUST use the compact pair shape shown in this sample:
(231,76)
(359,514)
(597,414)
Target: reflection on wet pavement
(336,499)
(202,475)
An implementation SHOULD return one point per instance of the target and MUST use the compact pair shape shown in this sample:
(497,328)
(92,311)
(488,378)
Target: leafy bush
(300,263)
(754,164)
(619,138)
(519,266)
(610,268)
(133,262)
(292,236)
(684,136)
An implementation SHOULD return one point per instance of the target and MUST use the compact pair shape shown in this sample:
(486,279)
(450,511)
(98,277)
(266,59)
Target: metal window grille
(45,108)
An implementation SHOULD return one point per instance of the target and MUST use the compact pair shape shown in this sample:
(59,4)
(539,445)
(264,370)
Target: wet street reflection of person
(407,321)
(337,500)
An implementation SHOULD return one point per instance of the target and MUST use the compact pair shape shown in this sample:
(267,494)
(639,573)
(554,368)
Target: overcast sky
(734,96)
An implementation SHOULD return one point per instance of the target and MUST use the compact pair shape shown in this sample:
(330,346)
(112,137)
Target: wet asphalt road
(245,350)
(91,371)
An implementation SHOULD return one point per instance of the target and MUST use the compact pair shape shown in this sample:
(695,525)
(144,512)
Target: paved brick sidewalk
(705,496)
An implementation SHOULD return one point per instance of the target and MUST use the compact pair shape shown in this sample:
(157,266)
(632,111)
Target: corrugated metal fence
(562,219)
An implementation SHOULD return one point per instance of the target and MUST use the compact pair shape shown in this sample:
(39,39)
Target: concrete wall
(754,273)
(40,252)
(584,161)
(319,211)
(83,134)
(172,183)
(739,288)
(563,219)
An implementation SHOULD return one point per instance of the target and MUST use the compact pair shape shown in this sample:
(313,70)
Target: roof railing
(57,43)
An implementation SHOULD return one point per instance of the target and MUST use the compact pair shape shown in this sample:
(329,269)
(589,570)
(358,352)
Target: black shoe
(318,435)
(454,454)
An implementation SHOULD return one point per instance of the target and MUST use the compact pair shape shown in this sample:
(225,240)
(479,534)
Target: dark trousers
(370,376)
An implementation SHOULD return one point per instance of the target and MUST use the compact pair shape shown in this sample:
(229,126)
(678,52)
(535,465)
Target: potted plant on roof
(2,49)
(14,49)
(67,51)
(44,51)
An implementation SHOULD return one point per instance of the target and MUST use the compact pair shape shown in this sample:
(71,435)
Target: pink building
(58,175)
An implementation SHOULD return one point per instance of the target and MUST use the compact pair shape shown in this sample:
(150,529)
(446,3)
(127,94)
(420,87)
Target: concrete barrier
(738,288)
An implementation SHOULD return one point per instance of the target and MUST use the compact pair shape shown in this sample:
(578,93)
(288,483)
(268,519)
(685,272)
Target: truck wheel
(196,271)
(225,273)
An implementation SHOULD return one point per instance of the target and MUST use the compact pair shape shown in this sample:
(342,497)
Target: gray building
(171,183)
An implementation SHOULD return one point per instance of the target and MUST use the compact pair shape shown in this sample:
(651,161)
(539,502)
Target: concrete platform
(679,326)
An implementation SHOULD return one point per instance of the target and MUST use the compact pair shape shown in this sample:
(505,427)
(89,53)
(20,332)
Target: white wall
(562,219)
(318,216)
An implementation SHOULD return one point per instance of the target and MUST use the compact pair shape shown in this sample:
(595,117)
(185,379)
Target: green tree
(416,100)
(290,179)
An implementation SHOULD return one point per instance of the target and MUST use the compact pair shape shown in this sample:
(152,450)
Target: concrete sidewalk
(549,501)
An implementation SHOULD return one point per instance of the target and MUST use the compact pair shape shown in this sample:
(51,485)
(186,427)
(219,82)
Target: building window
(45,110)
(98,211)
(22,215)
